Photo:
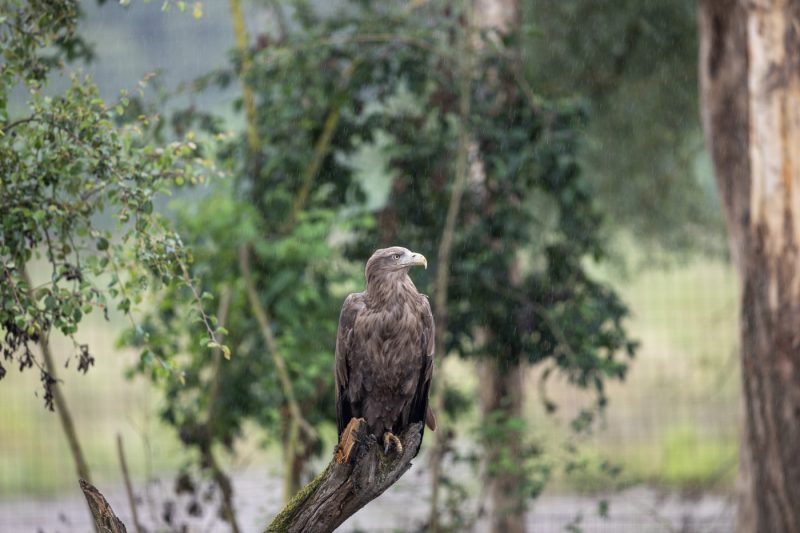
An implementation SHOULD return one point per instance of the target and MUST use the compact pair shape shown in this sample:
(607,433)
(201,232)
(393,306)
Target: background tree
(371,57)
(71,167)
(527,222)
(323,86)
(751,95)
(275,225)
(635,66)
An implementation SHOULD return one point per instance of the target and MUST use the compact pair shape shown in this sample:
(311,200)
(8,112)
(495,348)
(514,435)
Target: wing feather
(353,304)
(419,404)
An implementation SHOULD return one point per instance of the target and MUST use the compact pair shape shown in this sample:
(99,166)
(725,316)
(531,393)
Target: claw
(389,440)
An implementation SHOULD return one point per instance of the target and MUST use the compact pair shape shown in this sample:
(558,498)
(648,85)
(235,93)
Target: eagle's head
(395,260)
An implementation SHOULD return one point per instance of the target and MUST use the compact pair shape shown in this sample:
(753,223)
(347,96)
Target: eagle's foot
(348,441)
(390,440)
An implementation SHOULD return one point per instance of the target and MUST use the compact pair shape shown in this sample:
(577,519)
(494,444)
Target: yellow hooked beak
(417,260)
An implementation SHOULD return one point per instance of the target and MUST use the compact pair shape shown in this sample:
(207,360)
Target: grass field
(672,423)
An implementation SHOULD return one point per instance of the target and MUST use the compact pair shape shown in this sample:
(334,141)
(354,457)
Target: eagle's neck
(389,290)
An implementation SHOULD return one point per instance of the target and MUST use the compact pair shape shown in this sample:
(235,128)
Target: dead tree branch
(358,473)
(344,488)
(105,521)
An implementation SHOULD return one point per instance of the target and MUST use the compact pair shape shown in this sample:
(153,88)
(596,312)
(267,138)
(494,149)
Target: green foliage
(297,275)
(287,204)
(68,170)
(520,289)
(524,460)
(696,460)
(635,64)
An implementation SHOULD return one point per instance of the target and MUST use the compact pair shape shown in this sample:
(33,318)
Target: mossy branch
(342,489)
(345,486)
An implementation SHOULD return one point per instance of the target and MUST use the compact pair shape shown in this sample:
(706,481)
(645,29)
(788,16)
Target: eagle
(384,350)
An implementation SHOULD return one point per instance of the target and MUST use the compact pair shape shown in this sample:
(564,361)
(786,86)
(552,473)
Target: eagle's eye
(396,257)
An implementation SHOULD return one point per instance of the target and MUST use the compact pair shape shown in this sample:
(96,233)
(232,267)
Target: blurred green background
(672,424)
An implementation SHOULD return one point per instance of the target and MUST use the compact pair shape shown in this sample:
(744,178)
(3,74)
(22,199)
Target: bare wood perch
(358,473)
(350,481)
(105,520)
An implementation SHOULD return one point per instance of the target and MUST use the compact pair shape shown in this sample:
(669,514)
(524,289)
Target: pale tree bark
(750,76)
(501,386)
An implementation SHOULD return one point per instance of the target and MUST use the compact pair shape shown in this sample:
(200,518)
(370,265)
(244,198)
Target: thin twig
(321,148)
(198,299)
(371,38)
(8,127)
(222,317)
(59,400)
(225,486)
(240,30)
(128,486)
(220,477)
(263,320)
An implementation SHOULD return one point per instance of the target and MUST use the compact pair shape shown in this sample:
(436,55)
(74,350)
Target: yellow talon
(390,439)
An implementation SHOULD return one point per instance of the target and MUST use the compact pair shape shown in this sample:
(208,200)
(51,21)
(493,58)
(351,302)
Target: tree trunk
(296,465)
(502,392)
(501,401)
(750,87)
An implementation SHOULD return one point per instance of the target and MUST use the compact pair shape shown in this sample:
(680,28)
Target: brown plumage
(384,349)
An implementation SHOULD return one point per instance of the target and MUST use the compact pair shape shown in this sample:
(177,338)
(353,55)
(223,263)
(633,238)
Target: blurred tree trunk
(750,88)
(502,392)
(501,401)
